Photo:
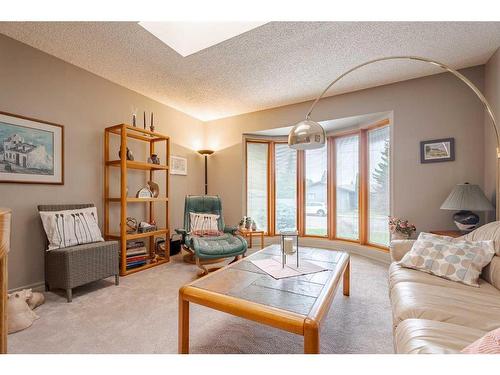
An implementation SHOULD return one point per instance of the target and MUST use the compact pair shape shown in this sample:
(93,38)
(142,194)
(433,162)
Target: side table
(449,233)
(250,233)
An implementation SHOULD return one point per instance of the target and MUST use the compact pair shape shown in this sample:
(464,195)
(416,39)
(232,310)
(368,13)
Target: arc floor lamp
(308,134)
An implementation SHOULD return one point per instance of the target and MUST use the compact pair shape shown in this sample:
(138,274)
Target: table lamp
(467,198)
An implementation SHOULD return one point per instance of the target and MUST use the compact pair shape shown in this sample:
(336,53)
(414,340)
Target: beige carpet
(140,316)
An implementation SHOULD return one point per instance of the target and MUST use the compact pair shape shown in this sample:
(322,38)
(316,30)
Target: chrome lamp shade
(467,198)
(307,135)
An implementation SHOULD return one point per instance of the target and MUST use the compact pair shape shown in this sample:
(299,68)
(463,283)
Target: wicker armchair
(73,266)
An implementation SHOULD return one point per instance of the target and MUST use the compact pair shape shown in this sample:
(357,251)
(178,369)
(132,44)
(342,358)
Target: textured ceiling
(276,64)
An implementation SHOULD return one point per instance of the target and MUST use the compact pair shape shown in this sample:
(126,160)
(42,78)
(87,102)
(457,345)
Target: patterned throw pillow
(450,258)
(204,224)
(488,344)
(71,227)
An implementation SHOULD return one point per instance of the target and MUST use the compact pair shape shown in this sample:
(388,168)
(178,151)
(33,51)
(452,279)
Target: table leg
(183,325)
(347,277)
(262,241)
(250,235)
(311,337)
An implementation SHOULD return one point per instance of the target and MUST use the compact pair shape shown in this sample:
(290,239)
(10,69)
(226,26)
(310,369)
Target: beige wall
(37,85)
(492,93)
(438,106)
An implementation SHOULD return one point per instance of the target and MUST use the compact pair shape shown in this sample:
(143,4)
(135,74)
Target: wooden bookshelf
(126,134)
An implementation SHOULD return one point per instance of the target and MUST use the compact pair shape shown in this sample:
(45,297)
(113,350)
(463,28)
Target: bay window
(341,191)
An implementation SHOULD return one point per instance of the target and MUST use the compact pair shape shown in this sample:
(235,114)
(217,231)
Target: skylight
(187,38)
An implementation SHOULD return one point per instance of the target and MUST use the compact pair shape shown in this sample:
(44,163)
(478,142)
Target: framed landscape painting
(437,150)
(178,165)
(31,151)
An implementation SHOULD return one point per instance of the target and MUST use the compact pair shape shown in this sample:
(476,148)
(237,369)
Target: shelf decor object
(304,134)
(466,198)
(130,260)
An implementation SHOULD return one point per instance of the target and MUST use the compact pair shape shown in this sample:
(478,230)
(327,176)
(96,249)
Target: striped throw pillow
(71,227)
(204,224)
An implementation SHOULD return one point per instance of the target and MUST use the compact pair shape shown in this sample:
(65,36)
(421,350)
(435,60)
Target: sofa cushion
(457,260)
(490,231)
(462,306)
(398,273)
(491,273)
(221,246)
(421,336)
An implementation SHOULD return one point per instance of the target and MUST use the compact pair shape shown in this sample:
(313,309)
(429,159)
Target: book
(136,264)
(136,251)
(137,258)
(135,244)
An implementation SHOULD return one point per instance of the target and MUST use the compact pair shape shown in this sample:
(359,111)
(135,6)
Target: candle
(144,120)
(288,245)
(151,118)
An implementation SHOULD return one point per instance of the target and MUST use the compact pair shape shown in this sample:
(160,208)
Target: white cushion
(203,224)
(71,227)
(453,259)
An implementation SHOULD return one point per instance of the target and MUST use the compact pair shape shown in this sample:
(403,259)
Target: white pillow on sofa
(451,258)
(71,227)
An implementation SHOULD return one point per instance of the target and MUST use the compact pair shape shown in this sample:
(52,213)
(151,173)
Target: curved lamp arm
(457,74)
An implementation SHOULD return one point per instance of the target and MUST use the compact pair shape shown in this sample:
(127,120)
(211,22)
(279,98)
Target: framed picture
(31,150)
(178,165)
(437,150)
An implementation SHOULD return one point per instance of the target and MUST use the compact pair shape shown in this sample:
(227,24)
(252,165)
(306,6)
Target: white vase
(399,236)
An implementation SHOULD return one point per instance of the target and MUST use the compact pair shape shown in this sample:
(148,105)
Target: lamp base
(466,221)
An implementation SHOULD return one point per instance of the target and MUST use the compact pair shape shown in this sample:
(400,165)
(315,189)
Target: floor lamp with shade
(308,134)
(206,153)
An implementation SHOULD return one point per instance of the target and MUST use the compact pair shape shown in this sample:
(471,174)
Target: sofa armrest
(398,248)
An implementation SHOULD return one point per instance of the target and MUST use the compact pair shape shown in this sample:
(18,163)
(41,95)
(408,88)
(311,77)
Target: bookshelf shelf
(126,133)
(137,165)
(139,200)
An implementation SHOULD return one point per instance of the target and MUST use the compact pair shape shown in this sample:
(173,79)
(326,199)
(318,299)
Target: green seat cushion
(217,247)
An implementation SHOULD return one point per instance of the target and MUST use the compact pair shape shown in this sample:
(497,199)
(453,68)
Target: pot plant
(400,229)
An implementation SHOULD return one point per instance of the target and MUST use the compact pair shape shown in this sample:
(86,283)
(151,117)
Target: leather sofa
(435,315)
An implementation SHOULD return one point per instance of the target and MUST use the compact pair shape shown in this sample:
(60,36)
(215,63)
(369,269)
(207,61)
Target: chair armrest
(398,248)
(230,229)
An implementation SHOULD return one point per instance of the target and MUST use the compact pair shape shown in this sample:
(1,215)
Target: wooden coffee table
(294,304)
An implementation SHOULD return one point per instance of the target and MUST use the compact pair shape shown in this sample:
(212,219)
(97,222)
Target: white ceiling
(275,64)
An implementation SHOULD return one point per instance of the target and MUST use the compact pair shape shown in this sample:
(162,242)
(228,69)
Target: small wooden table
(295,304)
(449,233)
(251,233)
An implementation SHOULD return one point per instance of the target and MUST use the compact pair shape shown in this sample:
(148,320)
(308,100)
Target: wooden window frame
(363,195)
(247,141)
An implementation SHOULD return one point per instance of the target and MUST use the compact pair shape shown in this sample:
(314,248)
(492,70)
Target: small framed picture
(437,150)
(178,165)
(31,150)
